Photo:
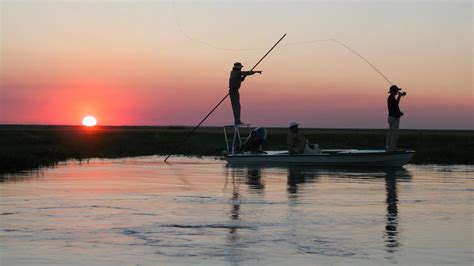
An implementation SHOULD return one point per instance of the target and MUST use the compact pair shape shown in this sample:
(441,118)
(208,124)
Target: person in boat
(235,80)
(297,143)
(394,115)
(254,144)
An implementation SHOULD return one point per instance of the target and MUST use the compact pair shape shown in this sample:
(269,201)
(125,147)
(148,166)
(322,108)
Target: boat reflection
(298,176)
(391,177)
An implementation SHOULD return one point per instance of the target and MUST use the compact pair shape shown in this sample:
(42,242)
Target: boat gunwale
(385,153)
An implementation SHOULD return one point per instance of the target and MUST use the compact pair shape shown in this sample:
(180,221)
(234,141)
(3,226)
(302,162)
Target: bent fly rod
(219,103)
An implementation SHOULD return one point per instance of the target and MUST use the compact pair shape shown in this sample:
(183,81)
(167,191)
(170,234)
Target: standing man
(394,115)
(236,78)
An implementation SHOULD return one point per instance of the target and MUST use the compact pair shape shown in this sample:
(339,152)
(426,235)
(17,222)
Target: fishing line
(363,58)
(204,42)
(346,47)
(303,42)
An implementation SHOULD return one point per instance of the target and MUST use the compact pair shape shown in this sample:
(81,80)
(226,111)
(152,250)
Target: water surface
(143,211)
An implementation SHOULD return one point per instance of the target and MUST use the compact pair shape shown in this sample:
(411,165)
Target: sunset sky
(168,62)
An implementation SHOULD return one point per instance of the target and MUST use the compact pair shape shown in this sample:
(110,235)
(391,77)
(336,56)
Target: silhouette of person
(236,78)
(297,143)
(394,115)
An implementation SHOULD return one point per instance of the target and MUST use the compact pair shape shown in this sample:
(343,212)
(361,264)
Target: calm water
(142,211)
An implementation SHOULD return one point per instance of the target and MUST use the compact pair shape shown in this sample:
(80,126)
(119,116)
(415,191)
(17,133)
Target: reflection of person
(297,143)
(391,235)
(295,177)
(236,78)
(391,227)
(394,115)
(254,179)
(299,175)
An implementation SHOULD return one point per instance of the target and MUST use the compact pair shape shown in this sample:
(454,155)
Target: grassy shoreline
(26,147)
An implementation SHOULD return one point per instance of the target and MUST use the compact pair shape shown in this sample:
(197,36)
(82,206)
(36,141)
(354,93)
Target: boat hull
(363,158)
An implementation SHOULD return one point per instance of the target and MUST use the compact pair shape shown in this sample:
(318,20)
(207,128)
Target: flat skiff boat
(328,157)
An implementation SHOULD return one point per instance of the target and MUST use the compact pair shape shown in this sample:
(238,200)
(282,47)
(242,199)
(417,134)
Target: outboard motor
(258,136)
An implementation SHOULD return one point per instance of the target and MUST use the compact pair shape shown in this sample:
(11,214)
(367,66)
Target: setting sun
(89,121)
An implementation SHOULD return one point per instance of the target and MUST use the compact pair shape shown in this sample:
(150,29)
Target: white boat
(328,157)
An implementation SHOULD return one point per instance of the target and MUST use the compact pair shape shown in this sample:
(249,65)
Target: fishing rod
(219,103)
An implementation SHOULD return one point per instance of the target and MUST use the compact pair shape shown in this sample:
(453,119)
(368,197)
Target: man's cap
(294,124)
(238,65)
(394,88)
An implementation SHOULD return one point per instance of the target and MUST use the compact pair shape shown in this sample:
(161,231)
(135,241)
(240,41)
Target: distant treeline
(29,147)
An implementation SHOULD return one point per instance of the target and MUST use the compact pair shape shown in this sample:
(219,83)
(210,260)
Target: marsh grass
(28,147)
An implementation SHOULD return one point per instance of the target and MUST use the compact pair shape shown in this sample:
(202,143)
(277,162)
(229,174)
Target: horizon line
(216,126)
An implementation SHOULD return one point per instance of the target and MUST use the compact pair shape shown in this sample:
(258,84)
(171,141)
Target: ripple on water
(142,210)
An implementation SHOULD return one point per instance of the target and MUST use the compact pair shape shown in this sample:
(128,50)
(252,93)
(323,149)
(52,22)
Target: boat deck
(342,157)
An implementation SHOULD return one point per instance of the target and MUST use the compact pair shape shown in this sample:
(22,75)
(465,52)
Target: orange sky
(167,63)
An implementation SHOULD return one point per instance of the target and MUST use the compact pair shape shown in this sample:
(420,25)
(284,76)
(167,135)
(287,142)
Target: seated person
(297,143)
(256,140)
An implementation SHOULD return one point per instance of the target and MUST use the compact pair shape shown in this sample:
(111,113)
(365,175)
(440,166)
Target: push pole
(219,103)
